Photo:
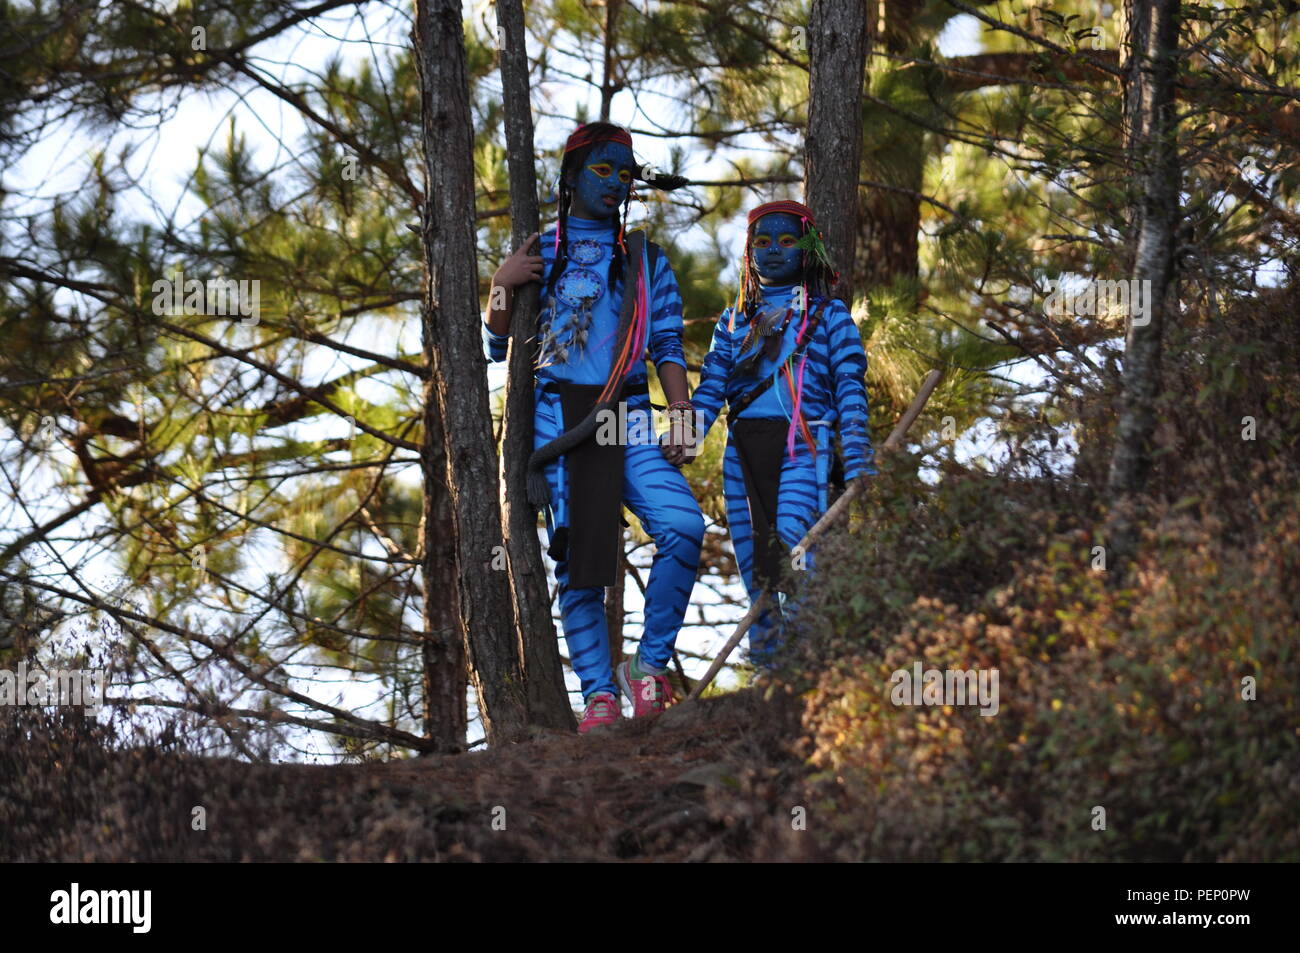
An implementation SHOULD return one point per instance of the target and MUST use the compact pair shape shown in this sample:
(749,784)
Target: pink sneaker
(602,709)
(650,694)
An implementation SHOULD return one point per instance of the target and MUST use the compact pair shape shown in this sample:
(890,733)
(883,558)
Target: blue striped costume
(834,398)
(653,488)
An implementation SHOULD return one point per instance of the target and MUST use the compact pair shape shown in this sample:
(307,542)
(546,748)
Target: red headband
(584,135)
(796,209)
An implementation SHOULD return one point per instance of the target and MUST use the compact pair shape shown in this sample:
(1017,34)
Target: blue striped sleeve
(494,345)
(712,391)
(848,363)
(665,333)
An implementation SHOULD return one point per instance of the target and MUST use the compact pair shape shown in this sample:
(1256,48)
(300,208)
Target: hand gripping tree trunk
(548,702)
(453,348)
(837,55)
(1151,119)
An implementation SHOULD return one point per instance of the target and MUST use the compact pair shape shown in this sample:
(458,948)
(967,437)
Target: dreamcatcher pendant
(580,288)
(582,326)
(551,351)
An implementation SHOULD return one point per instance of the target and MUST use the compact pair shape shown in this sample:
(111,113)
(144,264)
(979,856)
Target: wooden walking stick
(829,519)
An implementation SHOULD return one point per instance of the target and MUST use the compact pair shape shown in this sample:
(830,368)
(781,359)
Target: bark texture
(548,702)
(837,56)
(443,652)
(1151,121)
(453,347)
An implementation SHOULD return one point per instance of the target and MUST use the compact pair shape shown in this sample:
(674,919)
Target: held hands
(520,268)
(678,443)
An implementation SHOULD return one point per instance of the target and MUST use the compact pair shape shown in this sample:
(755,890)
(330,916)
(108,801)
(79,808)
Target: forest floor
(704,781)
(691,785)
(681,787)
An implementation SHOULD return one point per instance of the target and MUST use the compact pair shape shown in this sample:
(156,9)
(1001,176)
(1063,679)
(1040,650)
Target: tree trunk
(548,702)
(443,652)
(453,347)
(888,222)
(837,31)
(609,84)
(887,247)
(1151,120)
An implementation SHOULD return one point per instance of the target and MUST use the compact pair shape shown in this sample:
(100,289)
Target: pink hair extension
(796,392)
(795,419)
(635,345)
(642,325)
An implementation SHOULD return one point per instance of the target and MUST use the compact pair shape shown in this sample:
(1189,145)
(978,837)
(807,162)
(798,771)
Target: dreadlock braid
(818,276)
(573,161)
(561,246)
(620,248)
(592,134)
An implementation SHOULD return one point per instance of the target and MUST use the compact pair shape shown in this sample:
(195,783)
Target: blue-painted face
(775,256)
(601,185)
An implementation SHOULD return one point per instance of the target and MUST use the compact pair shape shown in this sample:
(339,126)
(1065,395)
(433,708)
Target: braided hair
(817,276)
(818,273)
(575,157)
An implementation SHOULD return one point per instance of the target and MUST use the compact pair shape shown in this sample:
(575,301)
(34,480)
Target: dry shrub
(1124,695)
(1128,698)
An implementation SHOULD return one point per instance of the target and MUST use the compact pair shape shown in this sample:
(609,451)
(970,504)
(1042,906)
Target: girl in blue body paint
(789,362)
(593,349)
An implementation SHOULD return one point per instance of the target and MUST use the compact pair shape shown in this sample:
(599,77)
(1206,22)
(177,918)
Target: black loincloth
(594,490)
(760,444)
